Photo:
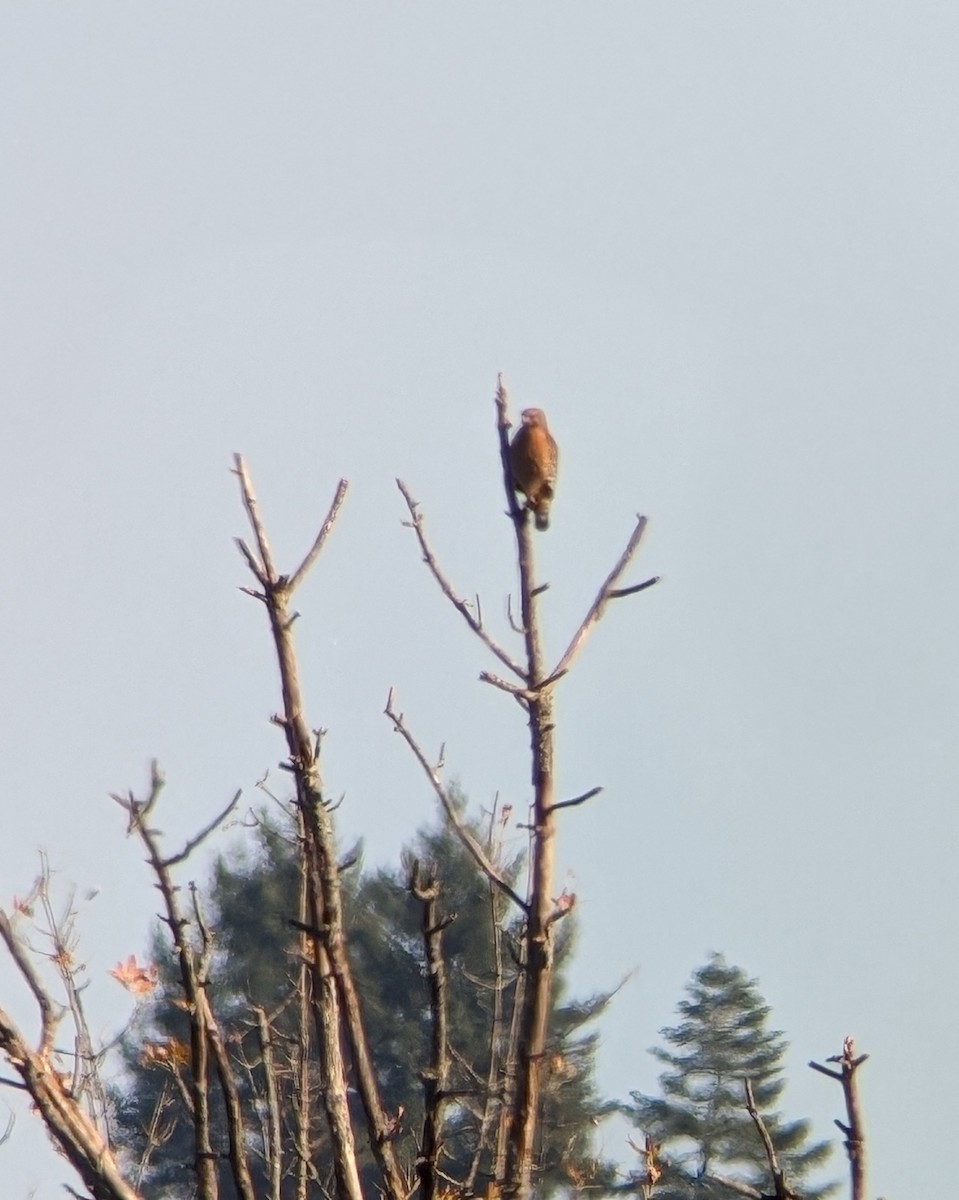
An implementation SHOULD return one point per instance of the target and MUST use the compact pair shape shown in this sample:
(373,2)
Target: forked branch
(61,1111)
(335,999)
(205,1033)
(479,855)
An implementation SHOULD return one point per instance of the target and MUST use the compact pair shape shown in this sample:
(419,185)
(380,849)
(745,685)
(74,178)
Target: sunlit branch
(462,606)
(606,593)
(470,842)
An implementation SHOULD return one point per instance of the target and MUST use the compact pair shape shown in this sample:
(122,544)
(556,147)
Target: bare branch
(239,1163)
(254,566)
(274,1139)
(204,833)
(576,800)
(522,694)
(157,1134)
(782,1192)
(265,571)
(462,606)
(470,842)
(67,1123)
(314,551)
(619,593)
(334,998)
(606,593)
(190,981)
(51,1014)
(61,932)
(424,886)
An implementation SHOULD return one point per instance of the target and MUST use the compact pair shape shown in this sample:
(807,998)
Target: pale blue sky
(717,242)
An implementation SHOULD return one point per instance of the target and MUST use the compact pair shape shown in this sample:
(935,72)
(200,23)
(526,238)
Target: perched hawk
(533,456)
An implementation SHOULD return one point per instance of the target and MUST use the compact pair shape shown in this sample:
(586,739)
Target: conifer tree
(707,1136)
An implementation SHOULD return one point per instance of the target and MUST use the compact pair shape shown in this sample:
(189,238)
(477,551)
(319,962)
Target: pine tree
(251,901)
(706,1133)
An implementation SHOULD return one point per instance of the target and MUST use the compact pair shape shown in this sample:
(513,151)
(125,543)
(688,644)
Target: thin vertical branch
(782,1192)
(424,886)
(239,1163)
(493,1100)
(61,931)
(304,1096)
(274,1139)
(335,998)
(204,1159)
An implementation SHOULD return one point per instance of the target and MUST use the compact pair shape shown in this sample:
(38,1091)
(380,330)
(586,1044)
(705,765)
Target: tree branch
(335,1001)
(606,593)
(782,1192)
(204,1159)
(204,833)
(462,606)
(424,886)
(577,800)
(314,551)
(470,842)
(67,1123)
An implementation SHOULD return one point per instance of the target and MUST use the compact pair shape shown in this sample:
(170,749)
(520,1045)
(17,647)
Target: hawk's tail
(542,518)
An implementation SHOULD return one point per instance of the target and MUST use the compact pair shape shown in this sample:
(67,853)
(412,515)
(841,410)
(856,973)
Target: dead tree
(533,688)
(854,1138)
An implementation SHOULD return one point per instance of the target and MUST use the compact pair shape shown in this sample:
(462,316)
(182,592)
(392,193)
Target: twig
(264,570)
(472,845)
(204,833)
(577,800)
(50,1014)
(522,694)
(61,932)
(156,1133)
(314,551)
(462,606)
(606,593)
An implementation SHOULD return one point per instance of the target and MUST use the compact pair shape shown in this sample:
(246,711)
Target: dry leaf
(135,978)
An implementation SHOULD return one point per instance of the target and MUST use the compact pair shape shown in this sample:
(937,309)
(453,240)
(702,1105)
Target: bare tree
(532,687)
(268,1110)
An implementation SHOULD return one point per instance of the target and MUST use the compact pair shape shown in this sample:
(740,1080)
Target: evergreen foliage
(700,1118)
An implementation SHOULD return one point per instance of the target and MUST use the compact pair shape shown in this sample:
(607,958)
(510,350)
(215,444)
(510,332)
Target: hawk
(533,456)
